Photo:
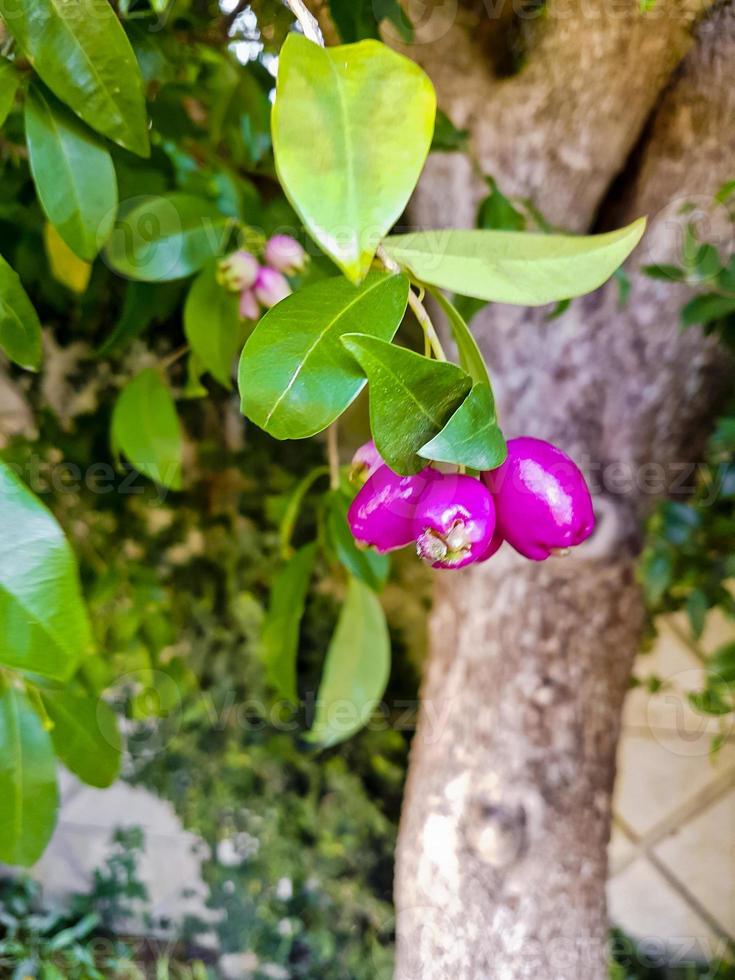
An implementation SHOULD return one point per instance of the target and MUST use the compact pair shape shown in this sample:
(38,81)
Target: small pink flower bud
(286,255)
(238,271)
(249,309)
(382,514)
(271,287)
(541,498)
(365,462)
(454,521)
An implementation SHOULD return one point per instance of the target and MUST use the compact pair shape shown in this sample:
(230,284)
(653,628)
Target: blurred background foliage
(299,857)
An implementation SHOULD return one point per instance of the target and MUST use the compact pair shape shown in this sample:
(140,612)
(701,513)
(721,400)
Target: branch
(308,22)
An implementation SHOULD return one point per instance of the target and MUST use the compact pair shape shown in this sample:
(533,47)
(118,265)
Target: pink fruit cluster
(537,501)
(262,285)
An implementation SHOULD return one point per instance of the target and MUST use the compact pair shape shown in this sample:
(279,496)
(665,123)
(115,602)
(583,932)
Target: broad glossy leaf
(167,237)
(81,52)
(295,376)
(66,267)
(352,127)
(43,622)
(363,563)
(85,736)
(514,267)
(213,326)
(280,638)
(356,668)
(73,173)
(29,795)
(411,398)
(472,436)
(20,329)
(146,428)
(9,82)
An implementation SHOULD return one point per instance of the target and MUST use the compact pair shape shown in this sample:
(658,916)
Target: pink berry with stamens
(382,514)
(454,521)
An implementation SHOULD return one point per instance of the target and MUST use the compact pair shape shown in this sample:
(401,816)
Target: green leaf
(662,270)
(20,329)
(73,172)
(514,267)
(447,137)
(356,668)
(9,82)
(146,428)
(359,19)
(81,52)
(367,565)
(167,237)
(496,211)
(472,436)
(280,637)
(29,795)
(411,398)
(707,307)
(213,326)
(85,736)
(295,376)
(43,622)
(367,115)
(66,266)
(144,304)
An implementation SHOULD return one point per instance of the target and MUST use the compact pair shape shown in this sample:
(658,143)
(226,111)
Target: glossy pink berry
(382,514)
(271,287)
(365,462)
(238,271)
(542,501)
(249,308)
(454,521)
(286,255)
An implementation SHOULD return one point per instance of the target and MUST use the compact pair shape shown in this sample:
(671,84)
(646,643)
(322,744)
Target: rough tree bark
(502,852)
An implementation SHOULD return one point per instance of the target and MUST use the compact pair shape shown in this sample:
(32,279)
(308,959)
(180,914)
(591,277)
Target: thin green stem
(421,314)
(333,456)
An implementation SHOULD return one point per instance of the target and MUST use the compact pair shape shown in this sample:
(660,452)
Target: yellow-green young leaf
(81,52)
(20,329)
(295,376)
(9,81)
(213,326)
(167,237)
(356,668)
(66,267)
(352,127)
(472,436)
(73,173)
(146,429)
(43,622)
(514,267)
(85,736)
(280,637)
(411,398)
(29,795)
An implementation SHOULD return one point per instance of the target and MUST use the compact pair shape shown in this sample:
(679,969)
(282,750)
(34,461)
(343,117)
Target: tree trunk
(502,853)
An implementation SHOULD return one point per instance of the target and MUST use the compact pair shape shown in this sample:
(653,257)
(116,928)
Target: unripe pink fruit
(365,462)
(286,255)
(238,271)
(271,287)
(454,521)
(249,309)
(382,514)
(542,501)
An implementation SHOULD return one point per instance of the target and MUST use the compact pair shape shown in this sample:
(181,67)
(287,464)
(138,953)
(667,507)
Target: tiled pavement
(672,856)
